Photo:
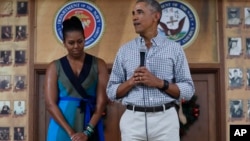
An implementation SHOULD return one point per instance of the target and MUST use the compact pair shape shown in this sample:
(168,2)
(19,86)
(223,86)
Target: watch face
(166,84)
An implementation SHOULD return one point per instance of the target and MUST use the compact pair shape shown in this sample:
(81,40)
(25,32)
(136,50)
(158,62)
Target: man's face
(22,4)
(233,14)
(235,74)
(144,19)
(237,106)
(234,44)
(248,44)
(20,28)
(7,29)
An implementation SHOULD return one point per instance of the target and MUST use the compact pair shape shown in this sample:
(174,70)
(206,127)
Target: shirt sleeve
(183,77)
(117,76)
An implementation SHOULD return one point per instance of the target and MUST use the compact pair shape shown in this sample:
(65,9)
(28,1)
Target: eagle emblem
(179,22)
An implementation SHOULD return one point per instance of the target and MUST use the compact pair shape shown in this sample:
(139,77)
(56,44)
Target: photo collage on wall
(18,133)
(238,61)
(18,108)
(14,54)
(238,46)
(237,16)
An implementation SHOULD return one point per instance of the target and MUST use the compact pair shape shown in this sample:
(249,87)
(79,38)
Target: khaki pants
(161,126)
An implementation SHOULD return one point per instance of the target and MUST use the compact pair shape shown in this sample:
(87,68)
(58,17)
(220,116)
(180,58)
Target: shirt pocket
(162,67)
(130,65)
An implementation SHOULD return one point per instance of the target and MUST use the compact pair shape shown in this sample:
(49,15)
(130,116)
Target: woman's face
(74,43)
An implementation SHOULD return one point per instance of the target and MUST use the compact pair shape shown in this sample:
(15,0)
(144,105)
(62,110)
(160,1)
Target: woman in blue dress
(75,90)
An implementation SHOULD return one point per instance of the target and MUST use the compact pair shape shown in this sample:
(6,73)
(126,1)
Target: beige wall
(119,29)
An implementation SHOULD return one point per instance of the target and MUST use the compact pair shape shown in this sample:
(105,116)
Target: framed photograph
(21,33)
(18,133)
(4,133)
(233,16)
(236,109)
(5,108)
(248,109)
(19,108)
(235,77)
(234,46)
(248,47)
(5,82)
(22,8)
(6,8)
(5,57)
(248,77)
(6,33)
(247,16)
(20,56)
(20,82)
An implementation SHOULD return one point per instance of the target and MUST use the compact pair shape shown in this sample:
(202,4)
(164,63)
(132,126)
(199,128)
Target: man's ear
(157,16)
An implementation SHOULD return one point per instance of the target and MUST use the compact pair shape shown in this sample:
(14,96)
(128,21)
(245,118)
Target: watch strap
(165,85)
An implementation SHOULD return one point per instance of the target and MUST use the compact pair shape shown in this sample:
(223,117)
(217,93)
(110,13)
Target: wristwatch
(165,85)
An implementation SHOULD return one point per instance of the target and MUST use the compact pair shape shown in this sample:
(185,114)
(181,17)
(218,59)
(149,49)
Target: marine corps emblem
(88,13)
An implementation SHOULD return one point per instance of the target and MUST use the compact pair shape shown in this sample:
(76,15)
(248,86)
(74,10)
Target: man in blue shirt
(150,91)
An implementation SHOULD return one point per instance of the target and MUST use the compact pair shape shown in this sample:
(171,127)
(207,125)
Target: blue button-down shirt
(165,59)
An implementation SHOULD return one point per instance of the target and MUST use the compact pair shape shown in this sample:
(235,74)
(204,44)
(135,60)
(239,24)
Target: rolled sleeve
(111,90)
(183,77)
(117,76)
(186,90)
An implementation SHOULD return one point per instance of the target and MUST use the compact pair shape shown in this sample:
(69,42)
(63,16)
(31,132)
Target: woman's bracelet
(89,131)
(91,126)
(71,137)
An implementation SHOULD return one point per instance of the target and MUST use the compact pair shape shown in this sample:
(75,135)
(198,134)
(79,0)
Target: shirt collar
(155,41)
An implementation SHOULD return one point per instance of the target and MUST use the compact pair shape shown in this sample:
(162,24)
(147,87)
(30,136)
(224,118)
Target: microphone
(142,56)
(142,63)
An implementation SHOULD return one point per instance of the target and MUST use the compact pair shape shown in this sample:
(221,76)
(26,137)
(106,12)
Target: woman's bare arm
(101,92)
(51,97)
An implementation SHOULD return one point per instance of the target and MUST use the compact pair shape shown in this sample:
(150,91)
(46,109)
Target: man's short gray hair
(154,4)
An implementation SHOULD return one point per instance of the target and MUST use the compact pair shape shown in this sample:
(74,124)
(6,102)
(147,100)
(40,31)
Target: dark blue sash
(88,108)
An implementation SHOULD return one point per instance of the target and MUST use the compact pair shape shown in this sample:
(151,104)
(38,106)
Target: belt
(151,109)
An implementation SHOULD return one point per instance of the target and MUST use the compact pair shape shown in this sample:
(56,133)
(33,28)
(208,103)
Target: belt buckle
(133,107)
(164,107)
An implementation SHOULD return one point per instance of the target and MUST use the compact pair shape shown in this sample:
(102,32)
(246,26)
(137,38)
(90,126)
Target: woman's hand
(79,137)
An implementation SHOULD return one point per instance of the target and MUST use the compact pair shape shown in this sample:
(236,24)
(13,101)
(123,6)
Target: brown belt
(151,109)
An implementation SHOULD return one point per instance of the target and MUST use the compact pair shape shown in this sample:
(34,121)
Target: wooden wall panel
(205,48)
